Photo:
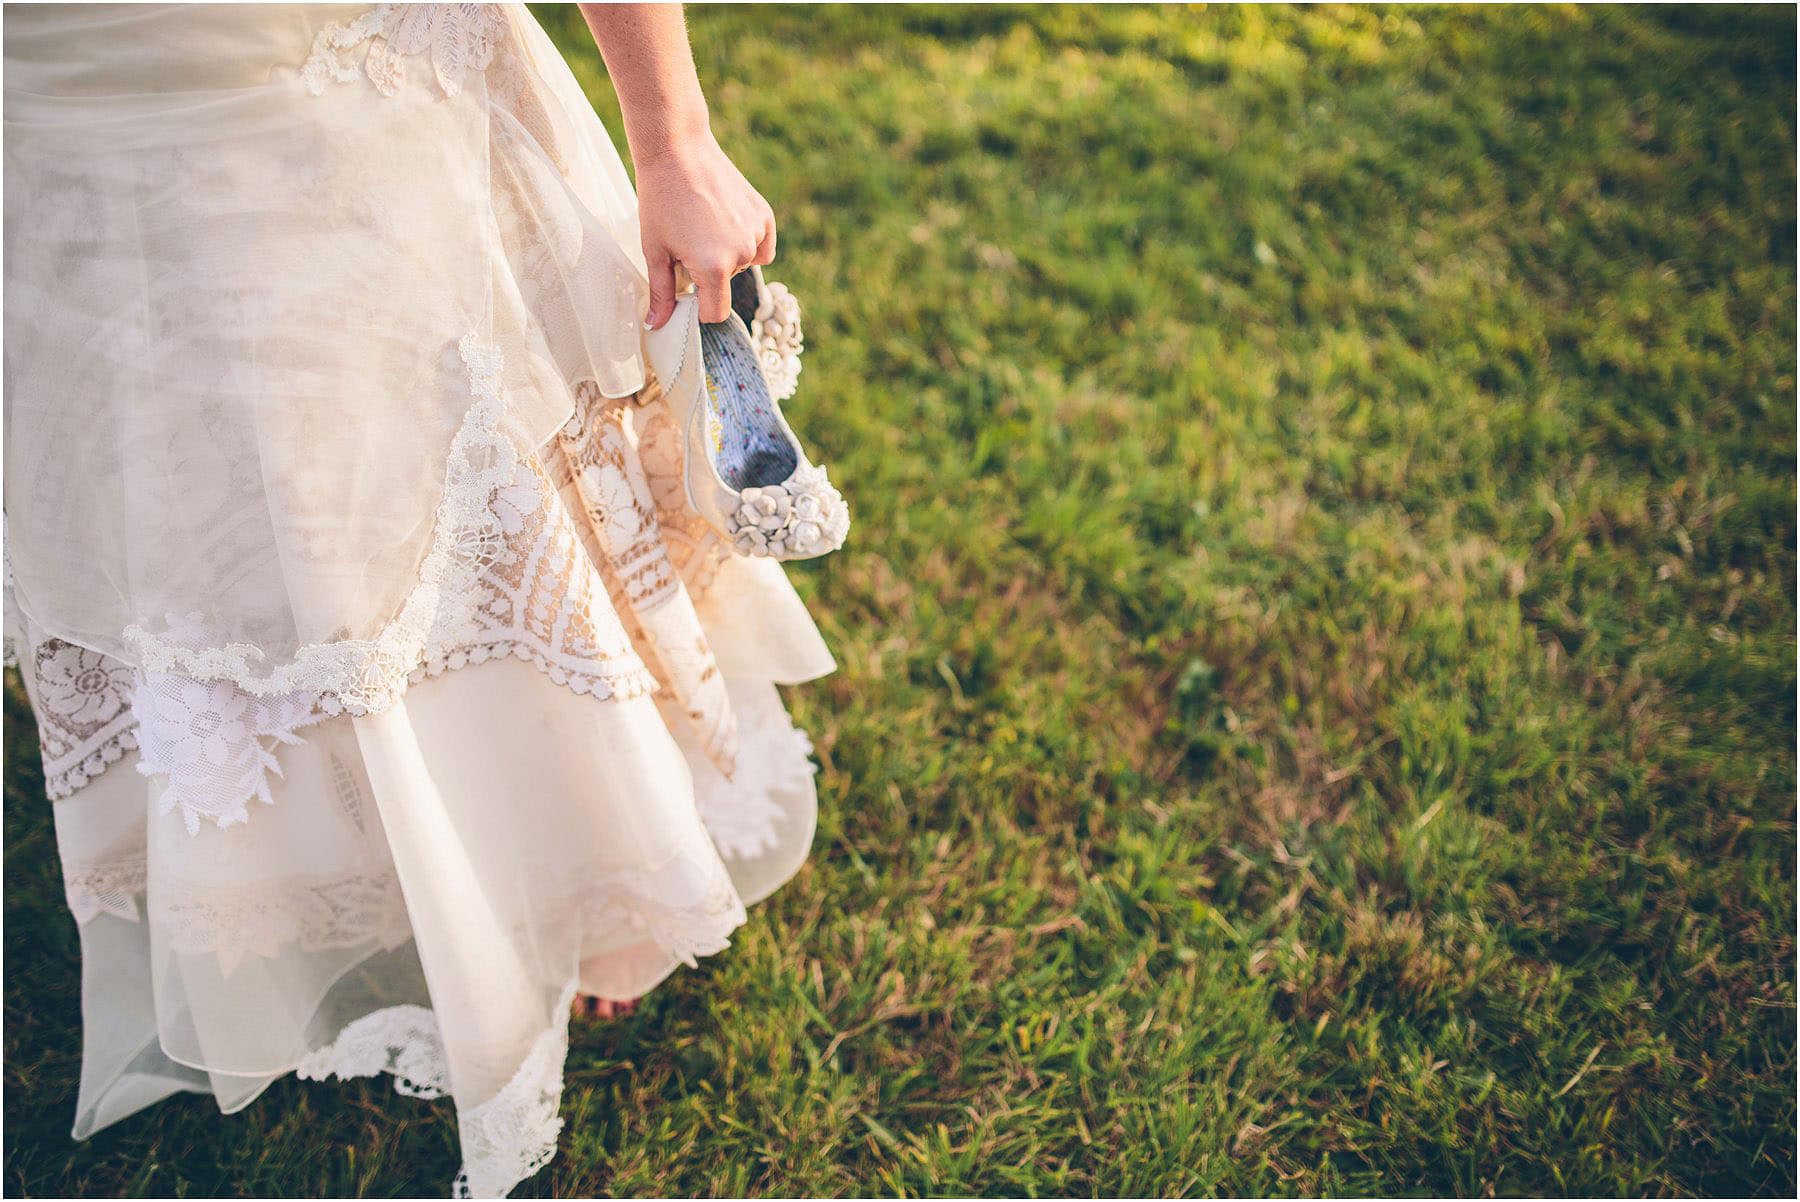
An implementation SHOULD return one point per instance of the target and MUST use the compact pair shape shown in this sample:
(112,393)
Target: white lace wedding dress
(389,691)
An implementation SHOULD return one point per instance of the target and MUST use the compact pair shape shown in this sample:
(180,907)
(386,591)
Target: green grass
(1317,704)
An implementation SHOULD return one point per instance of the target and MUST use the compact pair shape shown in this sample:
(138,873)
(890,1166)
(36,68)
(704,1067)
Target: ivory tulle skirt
(389,691)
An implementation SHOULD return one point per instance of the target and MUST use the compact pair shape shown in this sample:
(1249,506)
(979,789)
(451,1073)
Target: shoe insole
(744,299)
(751,451)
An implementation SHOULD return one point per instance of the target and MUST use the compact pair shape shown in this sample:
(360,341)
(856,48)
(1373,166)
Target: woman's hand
(696,208)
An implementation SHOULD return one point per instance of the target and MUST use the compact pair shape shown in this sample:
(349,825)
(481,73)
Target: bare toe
(601,1008)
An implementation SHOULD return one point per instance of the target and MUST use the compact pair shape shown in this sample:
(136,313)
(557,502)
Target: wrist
(677,135)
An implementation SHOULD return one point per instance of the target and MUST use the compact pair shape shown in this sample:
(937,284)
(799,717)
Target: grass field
(1317,705)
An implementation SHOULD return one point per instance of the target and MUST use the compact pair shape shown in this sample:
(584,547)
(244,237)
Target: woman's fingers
(698,211)
(715,291)
(765,249)
(662,287)
(710,261)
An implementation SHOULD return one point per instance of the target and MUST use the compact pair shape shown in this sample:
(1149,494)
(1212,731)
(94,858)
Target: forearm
(695,209)
(646,51)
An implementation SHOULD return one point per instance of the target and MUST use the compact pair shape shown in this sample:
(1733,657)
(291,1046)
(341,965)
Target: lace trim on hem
(625,686)
(107,887)
(741,813)
(685,917)
(9,640)
(513,1134)
(638,682)
(402,1040)
(65,784)
(369,675)
(504,1139)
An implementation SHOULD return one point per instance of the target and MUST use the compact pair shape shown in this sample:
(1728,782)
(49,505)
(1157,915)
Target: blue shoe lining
(752,451)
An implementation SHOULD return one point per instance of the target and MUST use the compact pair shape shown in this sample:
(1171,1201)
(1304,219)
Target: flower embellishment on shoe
(800,519)
(772,316)
(742,467)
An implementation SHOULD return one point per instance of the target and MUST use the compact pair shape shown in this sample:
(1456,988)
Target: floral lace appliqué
(210,740)
(457,38)
(741,813)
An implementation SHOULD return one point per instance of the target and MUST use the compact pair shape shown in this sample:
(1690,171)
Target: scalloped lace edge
(369,675)
(93,766)
(625,686)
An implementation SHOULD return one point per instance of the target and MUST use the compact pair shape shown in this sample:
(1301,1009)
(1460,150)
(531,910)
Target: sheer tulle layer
(389,688)
(586,801)
(248,276)
(448,870)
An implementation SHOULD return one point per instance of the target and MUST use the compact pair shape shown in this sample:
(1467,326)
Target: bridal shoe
(744,471)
